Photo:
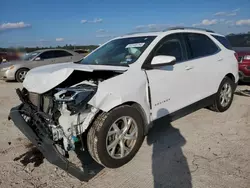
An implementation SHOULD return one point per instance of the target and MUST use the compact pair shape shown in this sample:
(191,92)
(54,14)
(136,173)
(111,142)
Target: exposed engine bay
(63,113)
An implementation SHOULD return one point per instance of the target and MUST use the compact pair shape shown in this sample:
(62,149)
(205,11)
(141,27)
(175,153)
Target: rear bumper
(46,145)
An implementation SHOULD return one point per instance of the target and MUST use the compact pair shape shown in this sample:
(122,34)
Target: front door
(171,86)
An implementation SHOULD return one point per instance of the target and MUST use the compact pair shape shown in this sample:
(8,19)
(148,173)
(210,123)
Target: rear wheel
(20,74)
(116,136)
(224,96)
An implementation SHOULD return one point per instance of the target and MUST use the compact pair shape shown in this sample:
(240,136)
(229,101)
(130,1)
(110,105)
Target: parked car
(244,66)
(111,98)
(5,57)
(17,70)
(81,51)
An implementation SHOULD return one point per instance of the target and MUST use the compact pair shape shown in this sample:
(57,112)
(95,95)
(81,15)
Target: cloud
(105,36)
(84,21)
(230,13)
(152,27)
(229,21)
(101,31)
(236,10)
(43,40)
(206,22)
(59,39)
(17,25)
(220,13)
(140,27)
(243,22)
(96,20)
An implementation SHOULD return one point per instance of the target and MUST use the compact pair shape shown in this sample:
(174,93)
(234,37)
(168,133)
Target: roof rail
(194,28)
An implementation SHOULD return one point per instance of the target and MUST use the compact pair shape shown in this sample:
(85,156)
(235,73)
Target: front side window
(171,46)
(200,45)
(30,56)
(119,52)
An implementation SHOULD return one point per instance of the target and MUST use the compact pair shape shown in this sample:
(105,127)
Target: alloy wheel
(121,137)
(225,94)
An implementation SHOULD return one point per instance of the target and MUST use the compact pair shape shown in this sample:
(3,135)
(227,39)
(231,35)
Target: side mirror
(37,59)
(163,60)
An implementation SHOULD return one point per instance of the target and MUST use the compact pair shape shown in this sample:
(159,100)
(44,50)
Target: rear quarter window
(223,41)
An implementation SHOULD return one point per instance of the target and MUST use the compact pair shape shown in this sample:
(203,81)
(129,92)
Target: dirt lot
(204,149)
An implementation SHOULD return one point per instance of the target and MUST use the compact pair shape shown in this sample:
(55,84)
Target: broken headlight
(75,97)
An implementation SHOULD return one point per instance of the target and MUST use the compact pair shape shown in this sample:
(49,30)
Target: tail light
(247,57)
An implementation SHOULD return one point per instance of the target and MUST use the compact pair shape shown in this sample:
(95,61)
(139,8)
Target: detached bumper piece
(45,144)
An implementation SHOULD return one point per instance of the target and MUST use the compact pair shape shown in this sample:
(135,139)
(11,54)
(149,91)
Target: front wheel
(20,74)
(224,96)
(116,136)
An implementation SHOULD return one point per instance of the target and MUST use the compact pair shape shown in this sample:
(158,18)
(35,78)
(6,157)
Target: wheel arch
(20,69)
(138,107)
(231,76)
(134,104)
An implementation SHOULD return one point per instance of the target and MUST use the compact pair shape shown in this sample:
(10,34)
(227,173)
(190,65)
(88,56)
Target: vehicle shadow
(243,92)
(33,155)
(169,165)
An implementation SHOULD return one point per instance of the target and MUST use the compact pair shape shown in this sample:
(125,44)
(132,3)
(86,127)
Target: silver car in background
(17,70)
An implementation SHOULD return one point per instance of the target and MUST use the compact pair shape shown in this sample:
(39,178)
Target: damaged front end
(55,121)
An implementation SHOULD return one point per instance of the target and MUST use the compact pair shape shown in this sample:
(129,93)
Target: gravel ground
(203,149)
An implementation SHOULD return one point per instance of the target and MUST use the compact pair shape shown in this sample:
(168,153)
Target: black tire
(19,72)
(217,106)
(96,137)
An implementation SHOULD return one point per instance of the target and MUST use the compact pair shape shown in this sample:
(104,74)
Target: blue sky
(59,22)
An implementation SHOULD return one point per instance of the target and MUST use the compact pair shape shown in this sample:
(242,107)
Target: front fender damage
(56,120)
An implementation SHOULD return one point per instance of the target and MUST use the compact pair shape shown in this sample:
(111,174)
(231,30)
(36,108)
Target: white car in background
(110,99)
(17,70)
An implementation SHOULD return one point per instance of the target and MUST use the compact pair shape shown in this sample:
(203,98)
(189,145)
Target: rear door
(204,57)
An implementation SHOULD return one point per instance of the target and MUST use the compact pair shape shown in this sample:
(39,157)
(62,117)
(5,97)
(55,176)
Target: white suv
(109,99)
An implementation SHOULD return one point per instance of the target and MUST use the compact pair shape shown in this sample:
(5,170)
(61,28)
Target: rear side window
(61,53)
(223,41)
(200,45)
(47,55)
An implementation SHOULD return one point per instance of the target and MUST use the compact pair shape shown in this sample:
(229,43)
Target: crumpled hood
(42,79)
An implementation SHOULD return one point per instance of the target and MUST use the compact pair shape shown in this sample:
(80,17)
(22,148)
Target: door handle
(220,59)
(189,67)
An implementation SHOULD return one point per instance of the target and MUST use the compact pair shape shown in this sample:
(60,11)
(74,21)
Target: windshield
(29,56)
(119,52)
